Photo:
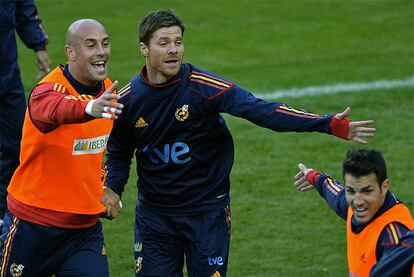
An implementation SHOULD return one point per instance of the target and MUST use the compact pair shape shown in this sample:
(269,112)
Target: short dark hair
(361,162)
(156,20)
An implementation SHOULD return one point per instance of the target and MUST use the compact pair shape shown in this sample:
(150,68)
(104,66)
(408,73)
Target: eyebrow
(363,188)
(94,39)
(168,38)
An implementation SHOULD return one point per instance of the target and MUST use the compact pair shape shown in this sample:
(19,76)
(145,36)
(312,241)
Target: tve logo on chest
(173,152)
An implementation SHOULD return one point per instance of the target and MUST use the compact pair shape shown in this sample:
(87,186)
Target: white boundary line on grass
(338,88)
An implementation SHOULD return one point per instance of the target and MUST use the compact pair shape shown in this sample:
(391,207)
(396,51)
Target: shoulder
(392,233)
(49,87)
(207,83)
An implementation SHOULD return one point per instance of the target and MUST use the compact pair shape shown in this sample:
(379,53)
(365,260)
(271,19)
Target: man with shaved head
(56,196)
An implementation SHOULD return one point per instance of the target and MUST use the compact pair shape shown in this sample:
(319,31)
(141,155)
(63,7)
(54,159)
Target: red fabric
(56,109)
(340,128)
(49,218)
(312,176)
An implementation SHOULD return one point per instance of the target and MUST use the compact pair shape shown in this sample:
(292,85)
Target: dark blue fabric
(161,242)
(399,261)
(21,17)
(184,165)
(44,251)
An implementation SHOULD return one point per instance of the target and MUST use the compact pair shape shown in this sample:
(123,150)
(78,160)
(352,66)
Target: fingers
(359,140)
(43,61)
(112,203)
(358,132)
(301,184)
(302,167)
(362,123)
(105,107)
(344,114)
(112,88)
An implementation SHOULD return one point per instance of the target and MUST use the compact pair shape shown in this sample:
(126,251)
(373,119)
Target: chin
(100,77)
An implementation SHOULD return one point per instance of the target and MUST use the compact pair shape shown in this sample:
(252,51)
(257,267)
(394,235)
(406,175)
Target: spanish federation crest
(16,270)
(138,264)
(182,113)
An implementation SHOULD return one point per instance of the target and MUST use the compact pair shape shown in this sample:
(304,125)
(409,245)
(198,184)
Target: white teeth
(99,63)
(359,210)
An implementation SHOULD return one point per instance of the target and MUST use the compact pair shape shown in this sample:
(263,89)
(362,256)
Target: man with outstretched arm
(184,151)
(375,218)
(56,197)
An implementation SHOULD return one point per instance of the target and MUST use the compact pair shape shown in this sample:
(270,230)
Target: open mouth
(99,65)
(172,62)
(360,211)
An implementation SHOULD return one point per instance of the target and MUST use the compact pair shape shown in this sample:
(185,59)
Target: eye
(179,42)
(163,43)
(350,191)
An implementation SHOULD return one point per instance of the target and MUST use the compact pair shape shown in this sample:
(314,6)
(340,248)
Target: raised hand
(105,107)
(357,129)
(301,183)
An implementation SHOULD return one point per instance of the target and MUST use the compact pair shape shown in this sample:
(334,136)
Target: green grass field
(266,46)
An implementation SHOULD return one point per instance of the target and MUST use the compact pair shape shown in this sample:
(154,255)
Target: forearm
(278,116)
(49,108)
(29,26)
(120,150)
(331,190)
(118,173)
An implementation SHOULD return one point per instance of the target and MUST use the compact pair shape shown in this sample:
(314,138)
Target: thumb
(344,114)
(302,168)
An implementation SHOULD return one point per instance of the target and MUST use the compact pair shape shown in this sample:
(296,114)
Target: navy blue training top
(184,150)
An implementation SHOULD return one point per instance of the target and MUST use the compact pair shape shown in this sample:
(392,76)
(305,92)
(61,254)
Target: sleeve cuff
(339,128)
(312,176)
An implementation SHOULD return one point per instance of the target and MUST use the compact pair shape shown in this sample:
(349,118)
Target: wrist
(88,108)
(312,176)
(339,127)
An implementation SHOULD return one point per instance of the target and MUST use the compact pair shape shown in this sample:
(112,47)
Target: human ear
(144,49)
(385,186)
(70,53)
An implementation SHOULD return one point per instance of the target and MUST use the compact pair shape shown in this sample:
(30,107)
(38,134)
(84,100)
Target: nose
(358,199)
(100,50)
(172,49)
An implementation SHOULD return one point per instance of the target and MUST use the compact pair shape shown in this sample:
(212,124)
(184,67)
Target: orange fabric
(60,170)
(361,247)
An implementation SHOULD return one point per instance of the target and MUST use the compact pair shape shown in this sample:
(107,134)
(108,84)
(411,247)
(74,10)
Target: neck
(78,76)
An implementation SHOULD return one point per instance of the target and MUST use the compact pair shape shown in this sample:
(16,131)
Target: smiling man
(185,152)
(56,196)
(375,218)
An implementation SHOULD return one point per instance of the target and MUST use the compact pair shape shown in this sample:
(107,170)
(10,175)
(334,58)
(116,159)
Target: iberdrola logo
(89,145)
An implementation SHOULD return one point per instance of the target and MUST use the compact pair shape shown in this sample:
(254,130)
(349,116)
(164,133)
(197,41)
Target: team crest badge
(16,270)
(182,113)
(138,264)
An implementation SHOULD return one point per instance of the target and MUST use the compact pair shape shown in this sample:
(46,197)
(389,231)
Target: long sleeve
(29,26)
(331,190)
(276,116)
(120,152)
(397,257)
(49,108)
